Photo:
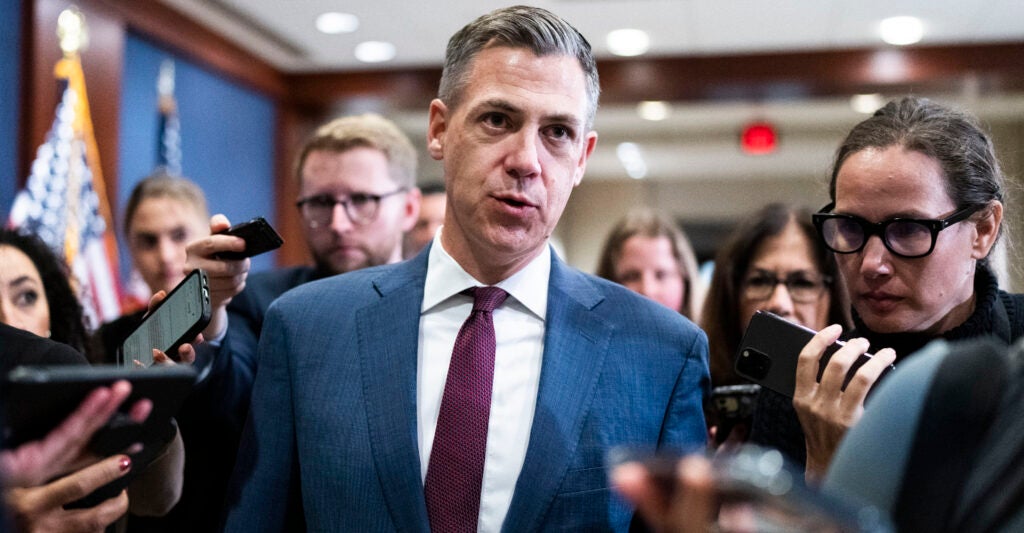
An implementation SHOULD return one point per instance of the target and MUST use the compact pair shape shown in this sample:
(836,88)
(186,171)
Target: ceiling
(283,33)
(698,141)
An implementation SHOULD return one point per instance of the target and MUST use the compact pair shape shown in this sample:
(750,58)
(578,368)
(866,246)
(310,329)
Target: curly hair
(67,323)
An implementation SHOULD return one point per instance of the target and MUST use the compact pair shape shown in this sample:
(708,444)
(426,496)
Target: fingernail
(125,463)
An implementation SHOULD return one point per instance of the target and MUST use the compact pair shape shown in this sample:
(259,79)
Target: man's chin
(341,263)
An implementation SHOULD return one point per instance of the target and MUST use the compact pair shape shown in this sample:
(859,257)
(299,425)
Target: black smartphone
(732,406)
(759,486)
(259,237)
(36,399)
(176,320)
(757,489)
(770,349)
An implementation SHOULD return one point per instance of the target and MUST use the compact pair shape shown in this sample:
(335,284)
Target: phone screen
(181,315)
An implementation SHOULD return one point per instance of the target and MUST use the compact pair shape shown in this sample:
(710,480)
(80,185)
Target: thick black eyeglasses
(905,237)
(361,208)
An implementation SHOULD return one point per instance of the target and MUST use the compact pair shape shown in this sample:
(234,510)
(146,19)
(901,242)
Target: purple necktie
(456,468)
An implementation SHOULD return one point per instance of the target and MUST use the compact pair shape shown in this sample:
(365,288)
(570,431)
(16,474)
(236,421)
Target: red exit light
(758,138)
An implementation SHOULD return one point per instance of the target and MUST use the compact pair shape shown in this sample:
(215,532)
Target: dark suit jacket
(331,435)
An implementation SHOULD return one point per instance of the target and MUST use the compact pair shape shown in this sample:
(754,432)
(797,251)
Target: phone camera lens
(753,364)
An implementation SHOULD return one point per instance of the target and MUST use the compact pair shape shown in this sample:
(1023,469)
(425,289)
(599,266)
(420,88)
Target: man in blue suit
(354,370)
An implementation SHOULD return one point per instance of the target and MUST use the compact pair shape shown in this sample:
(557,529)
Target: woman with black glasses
(917,205)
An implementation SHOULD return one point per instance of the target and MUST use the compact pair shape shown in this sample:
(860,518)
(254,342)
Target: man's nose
(523,160)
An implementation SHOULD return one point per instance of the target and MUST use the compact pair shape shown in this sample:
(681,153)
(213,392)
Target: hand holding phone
(176,320)
(770,349)
(258,235)
(749,489)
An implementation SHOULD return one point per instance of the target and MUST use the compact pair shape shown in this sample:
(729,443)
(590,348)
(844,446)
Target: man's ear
(411,208)
(987,229)
(588,149)
(436,129)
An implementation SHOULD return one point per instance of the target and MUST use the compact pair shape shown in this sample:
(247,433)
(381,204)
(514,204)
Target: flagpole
(74,38)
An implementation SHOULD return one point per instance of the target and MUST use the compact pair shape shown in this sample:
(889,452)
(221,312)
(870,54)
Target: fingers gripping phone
(176,320)
(259,237)
(770,349)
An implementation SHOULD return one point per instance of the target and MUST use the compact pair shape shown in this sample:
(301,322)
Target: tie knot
(487,298)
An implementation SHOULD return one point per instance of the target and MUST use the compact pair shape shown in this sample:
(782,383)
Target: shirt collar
(446,278)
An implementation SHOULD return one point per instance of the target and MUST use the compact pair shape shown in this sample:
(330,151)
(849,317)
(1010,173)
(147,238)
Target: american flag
(64,201)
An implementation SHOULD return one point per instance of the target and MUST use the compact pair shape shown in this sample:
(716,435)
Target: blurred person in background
(163,214)
(772,261)
(650,255)
(432,205)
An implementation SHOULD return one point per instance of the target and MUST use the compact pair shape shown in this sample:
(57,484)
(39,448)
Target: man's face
(513,150)
(431,217)
(341,244)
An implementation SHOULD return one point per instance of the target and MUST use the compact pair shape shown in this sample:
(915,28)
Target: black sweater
(996,313)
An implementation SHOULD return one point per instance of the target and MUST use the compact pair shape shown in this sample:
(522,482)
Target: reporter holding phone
(772,261)
(917,205)
(32,497)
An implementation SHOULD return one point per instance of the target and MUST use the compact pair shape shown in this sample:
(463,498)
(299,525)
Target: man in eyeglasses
(357,193)
(357,196)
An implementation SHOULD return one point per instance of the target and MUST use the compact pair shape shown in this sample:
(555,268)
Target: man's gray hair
(536,29)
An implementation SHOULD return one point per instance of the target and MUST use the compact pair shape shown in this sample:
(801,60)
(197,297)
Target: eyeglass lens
(902,237)
(802,287)
(360,209)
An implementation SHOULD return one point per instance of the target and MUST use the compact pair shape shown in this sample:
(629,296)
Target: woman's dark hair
(66,317)
(721,318)
(950,137)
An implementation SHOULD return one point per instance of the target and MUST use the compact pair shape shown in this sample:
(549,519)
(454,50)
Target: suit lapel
(575,345)
(388,332)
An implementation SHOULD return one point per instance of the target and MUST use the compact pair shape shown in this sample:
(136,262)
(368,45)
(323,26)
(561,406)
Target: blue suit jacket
(331,436)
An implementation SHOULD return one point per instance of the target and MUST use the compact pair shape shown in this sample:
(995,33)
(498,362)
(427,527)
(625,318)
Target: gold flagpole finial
(71,31)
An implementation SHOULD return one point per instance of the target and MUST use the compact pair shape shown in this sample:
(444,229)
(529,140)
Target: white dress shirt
(519,338)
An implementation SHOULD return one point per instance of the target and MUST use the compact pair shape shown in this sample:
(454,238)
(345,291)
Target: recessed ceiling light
(632,159)
(334,23)
(375,51)
(866,103)
(653,110)
(627,42)
(901,30)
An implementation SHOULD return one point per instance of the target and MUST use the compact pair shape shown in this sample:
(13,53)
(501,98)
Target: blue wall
(227,136)
(10,82)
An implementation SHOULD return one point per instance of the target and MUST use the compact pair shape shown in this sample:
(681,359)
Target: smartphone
(757,489)
(259,237)
(732,406)
(36,399)
(176,320)
(770,349)
(759,486)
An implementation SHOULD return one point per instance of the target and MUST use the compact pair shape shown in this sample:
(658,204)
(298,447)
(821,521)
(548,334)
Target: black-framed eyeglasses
(361,208)
(905,237)
(802,287)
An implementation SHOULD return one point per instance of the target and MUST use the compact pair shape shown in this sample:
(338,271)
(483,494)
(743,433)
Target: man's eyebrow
(508,107)
(498,103)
